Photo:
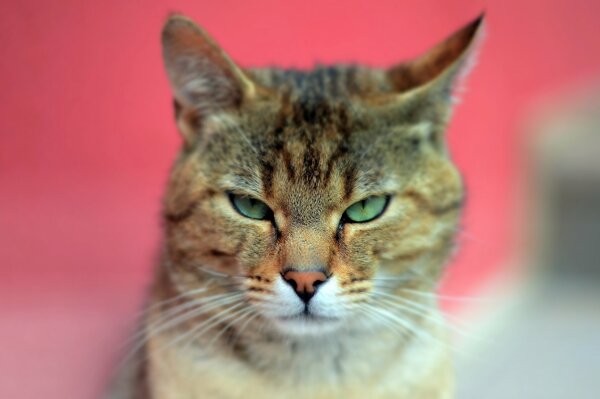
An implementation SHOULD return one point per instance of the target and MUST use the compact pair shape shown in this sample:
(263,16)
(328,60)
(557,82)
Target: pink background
(87,137)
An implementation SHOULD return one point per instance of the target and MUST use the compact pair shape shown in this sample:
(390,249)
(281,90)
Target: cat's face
(316,191)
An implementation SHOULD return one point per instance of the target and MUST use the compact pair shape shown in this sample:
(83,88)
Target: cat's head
(321,191)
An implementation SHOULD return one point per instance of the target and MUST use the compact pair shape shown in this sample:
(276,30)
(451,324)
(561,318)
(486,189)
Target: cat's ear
(203,78)
(440,71)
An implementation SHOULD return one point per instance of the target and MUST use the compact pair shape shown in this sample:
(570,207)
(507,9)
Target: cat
(307,220)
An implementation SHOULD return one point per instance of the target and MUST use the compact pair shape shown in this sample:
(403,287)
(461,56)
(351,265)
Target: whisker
(392,278)
(402,322)
(173,311)
(369,312)
(170,300)
(163,316)
(240,330)
(408,327)
(201,328)
(215,273)
(202,306)
(445,297)
(423,311)
(197,309)
(249,314)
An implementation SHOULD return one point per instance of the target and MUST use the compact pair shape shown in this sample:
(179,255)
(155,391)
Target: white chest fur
(379,366)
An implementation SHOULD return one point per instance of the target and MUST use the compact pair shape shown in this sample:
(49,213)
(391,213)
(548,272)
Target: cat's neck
(316,363)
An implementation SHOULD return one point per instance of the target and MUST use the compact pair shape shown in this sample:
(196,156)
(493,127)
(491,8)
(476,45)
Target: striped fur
(308,144)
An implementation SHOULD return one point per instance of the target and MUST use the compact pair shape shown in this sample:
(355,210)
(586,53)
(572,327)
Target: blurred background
(87,138)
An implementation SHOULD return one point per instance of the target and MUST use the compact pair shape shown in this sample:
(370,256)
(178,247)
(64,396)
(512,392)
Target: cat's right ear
(203,78)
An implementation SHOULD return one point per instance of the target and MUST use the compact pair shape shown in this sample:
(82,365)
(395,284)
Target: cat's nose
(305,283)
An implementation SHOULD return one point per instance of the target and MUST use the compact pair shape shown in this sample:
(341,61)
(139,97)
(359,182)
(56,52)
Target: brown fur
(308,144)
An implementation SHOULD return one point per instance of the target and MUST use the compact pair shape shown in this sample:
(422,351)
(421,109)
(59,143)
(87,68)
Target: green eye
(367,209)
(250,207)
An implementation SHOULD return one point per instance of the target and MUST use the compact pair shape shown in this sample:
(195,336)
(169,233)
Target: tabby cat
(307,220)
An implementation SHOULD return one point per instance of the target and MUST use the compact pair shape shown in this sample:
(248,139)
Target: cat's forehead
(315,138)
(309,152)
(323,82)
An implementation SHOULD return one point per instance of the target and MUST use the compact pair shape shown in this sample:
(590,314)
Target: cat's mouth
(307,323)
(308,316)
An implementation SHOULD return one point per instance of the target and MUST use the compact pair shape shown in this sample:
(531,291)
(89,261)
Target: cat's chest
(329,369)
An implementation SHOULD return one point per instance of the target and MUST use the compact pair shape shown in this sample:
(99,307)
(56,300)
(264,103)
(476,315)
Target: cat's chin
(306,325)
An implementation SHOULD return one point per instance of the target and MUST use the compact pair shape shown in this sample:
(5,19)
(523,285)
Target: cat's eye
(366,210)
(250,207)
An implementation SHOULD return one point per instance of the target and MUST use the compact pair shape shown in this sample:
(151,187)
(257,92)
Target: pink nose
(304,283)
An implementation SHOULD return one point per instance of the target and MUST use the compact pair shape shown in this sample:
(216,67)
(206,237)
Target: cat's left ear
(436,74)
